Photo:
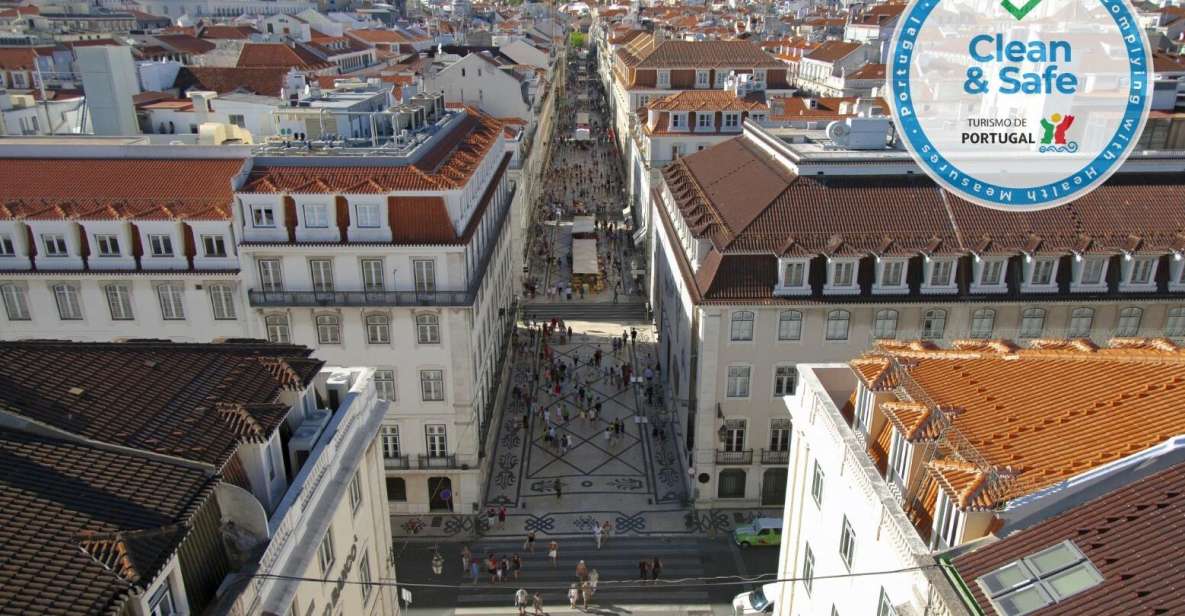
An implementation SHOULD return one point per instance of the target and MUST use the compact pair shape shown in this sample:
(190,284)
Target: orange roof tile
(704,100)
(421,220)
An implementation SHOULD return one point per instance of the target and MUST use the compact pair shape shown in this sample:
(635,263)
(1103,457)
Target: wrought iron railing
(734,457)
(769,456)
(448,460)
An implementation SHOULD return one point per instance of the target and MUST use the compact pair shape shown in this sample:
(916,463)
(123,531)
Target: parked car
(762,531)
(760,601)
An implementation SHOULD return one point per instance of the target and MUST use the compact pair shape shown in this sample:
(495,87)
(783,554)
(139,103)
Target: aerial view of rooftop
(633,308)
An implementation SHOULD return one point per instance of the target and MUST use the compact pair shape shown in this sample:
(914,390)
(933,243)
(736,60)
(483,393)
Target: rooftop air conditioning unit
(304,439)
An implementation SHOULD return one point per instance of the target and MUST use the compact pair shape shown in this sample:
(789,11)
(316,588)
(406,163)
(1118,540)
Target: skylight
(1038,580)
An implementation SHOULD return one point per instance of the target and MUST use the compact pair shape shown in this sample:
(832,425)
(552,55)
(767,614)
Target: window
(885,325)
(738,381)
(329,329)
(325,552)
(396,489)
(108,245)
(378,329)
(794,274)
(69,303)
(843,273)
(172,301)
(1129,322)
(237,119)
(356,491)
(947,524)
(160,245)
(316,216)
(427,329)
(222,300)
(436,441)
(664,79)
(940,273)
(119,301)
(884,607)
(263,216)
(742,326)
(817,484)
(734,435)
(1174,324)
(1042,272)
(790,325)
(808,568)
(425,275)
(432,385)
(1081,321)
(321,271)
(837,325)
(992,273)
(364,576)
(391,448)
(372,275)
(214,245)
(847,543)
(384,384)
(732,120)
(779,435)
(1092,271)
(271,275)
(731,484)
(7,248)
(1032,323)
(1141,271)
(16,305)
(161,601)
(703,120)
(1050,576)
(983,321)
(368,215)
(277,329)
(933,324)
(701,79)
(899,458)
(893,273)
(785,380)
(55,245)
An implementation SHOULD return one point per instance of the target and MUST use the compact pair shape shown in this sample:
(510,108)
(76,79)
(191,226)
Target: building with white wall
(476,79)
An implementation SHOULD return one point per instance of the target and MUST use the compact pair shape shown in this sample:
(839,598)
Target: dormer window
(1090,273)
(664,79)
(703,121)
(841,276)
(1040,273)
(1177,280)
(759,77)
(1139,273)
(940,275)
(316,216)
(732,121)
(701,79)
(890,275)
(55,245)
(678,121)
(368,215)
(991,273)
(793,277)
(263,216)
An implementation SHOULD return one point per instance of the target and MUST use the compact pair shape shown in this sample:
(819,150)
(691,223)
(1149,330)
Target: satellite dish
(838,132)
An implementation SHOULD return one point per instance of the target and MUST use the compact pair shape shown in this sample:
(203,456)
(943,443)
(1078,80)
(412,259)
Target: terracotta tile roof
(789,108)
(704,100)
(868,71)
(1031,418)
(193,401)
(832,51)
(449,165)
(279,54)
(228,32)
(81,526)
(1130,535)
(264,81)
(185,43)
(17,59)
(104,189)
(708,54)
(421,220)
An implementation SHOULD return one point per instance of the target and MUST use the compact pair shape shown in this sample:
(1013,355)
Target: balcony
(444,461)
(775,457)
(734,457)
(397,463)
(312,299)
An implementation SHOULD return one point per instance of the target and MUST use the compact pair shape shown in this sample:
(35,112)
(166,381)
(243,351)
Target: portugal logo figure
(1054,137)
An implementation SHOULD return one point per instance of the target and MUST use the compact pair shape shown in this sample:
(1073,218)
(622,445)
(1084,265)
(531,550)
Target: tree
(576,39)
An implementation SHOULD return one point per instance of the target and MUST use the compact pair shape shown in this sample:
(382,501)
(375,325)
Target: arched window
(329,329)
(1032,322)
(837,324)
(885,326)
(427,329)
(1174,324)
(1129,322)
(277,328)
(742,326)
(378,329)
(732,484)
(934,324)
(1081,320)
(790,325)
(983,321)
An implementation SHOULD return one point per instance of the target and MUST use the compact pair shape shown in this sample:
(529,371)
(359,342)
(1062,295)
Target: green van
(762,531)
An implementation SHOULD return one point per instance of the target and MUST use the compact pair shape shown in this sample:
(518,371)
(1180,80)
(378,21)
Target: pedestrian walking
(516,565)
(573,596)
(608,436)
(502,517)
(593,577)
(492,568)
(466,556)
(585,593)
(605,528)
(491,518)
(553,552)
(655,569)
(503,568)
(474,570)
(558,489)
(598,534)
(529,544)
(437,563)
(581,571)
(538,605)
(643,570)
(520,601)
